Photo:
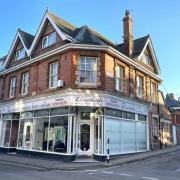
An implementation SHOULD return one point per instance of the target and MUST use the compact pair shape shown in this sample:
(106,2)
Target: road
(164,167)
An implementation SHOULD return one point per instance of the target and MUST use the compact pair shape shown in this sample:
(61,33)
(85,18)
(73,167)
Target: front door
(85,139)
(27,138)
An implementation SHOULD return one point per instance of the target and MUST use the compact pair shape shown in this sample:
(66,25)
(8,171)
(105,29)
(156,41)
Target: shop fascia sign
(76,100)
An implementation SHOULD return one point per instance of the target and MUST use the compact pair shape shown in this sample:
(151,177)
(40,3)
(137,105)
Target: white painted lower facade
(75,123)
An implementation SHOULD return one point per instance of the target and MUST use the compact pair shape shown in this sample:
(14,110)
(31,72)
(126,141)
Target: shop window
(88,70)
(25,83)
(41,130)
(53,75)
(59,111)
(119,81)
(9,130)
(113,112)
(128,115)
(58,134)
(141,117)
(26,115)
(41,113)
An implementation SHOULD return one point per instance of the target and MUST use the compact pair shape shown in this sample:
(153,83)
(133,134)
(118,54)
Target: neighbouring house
(68,90)
(174,108)
(166,135)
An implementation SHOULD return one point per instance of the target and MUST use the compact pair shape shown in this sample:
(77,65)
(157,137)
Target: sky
(159,18)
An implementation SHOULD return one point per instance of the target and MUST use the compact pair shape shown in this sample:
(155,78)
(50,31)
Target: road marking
(107,172)
(91,173)
(122,174)
(150,178)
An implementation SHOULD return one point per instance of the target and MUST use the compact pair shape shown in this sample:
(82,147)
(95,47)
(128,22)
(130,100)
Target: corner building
(67,90)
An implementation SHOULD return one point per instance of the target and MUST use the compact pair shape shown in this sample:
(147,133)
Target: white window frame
(20,54)
(53,75)
(25,83)
(147,60)
(153,92)
(119,78)
(88,70)
(139,88)
(12,87)
(49,40)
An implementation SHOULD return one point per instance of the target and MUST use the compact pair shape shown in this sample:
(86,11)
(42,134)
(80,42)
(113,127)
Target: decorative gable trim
(18,35)
(153,54)
(40,29)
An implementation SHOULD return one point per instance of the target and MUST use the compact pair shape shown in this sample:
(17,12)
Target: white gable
(153,55)
(40,29)
(18,35)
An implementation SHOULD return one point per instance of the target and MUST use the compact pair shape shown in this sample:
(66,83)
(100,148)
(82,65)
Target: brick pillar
(148,89)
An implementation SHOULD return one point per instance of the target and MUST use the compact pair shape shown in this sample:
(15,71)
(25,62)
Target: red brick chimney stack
(128,33)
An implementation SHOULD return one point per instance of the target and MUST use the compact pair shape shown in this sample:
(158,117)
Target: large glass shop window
(125,133)
(9,130)
(46,130)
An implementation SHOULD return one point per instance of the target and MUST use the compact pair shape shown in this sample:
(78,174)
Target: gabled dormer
(52,33)
(19,51)
(146,55)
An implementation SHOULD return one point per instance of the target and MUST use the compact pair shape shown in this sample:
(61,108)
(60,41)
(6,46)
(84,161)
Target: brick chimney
(128,33)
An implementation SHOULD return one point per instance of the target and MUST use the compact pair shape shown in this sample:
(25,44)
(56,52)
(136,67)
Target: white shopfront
(80,124)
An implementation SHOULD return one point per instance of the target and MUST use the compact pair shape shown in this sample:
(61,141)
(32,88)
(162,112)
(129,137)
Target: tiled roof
(83,34)
(3,58)
(138,46)
(170,102)
(27,38)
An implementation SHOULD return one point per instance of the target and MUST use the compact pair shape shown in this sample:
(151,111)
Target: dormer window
(147,60)
(20,54)
(49,40)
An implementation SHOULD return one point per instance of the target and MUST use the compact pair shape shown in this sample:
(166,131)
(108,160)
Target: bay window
(53,75)
(12,88)
(119,81)
(88,70)
(25,83)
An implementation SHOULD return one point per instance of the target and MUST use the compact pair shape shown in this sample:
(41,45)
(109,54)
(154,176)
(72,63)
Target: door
(85,139)
(27,138)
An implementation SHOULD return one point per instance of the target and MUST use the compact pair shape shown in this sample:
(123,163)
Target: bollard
(108,151)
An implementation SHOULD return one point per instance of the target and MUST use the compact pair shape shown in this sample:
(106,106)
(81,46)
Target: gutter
(108,49)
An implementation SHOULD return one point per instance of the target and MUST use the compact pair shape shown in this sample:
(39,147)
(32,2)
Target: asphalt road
(164,167)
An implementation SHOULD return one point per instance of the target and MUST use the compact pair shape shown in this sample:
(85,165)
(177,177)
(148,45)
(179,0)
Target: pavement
(14,159)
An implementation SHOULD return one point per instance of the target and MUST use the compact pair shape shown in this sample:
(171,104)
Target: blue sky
(159,18)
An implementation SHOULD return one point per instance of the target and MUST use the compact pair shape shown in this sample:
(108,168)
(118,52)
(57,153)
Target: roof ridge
(63,22)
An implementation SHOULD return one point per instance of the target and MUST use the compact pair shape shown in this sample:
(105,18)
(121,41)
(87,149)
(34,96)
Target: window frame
(12,87)
(153,93)
(53,74)
(46,40)
(24,83)
(120,79)
(139,88)
(86,70)
(20,54)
